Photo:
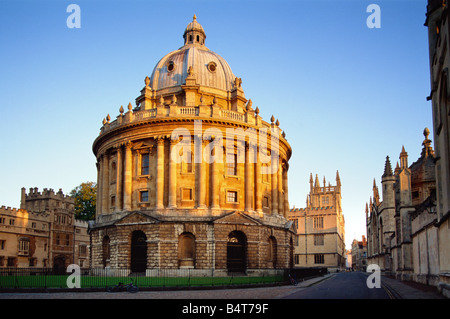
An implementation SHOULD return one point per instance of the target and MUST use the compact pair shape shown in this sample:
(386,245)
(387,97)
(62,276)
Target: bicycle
(292,281)
(131,287)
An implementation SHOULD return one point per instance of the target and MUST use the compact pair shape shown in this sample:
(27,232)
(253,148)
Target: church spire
(376,194)
(397,169)
(387,167)
(317,183)
(403,158)
(338,181)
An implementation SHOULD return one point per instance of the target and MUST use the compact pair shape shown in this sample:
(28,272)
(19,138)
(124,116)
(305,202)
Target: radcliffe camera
(224,158)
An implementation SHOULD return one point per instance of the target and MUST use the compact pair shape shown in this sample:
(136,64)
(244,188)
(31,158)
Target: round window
(212,67)
(170,66)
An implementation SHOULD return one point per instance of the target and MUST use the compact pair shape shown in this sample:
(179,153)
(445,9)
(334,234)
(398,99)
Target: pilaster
(127,175)
(172,175)
(160,173)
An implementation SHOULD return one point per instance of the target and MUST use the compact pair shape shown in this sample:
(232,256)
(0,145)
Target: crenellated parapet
(47,193)
(48,199)
(22,213)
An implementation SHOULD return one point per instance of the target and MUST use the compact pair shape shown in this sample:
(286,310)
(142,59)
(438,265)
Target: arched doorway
(106,251)
(138,251)
(272,252)
(236,252)
(59,265)
(186,250)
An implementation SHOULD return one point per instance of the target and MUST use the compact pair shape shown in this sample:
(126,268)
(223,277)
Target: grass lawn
(59,281)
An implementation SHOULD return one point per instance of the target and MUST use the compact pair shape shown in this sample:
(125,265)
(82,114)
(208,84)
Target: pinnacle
(387,167)
(403,150)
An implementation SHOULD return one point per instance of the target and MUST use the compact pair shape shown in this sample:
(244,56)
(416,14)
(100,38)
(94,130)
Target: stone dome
(162,205)
(209,68)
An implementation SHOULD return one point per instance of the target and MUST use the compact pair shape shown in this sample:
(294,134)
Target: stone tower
(320,227)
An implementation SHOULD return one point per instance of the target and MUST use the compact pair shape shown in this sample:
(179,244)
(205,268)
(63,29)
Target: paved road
(345,285)
(237,293)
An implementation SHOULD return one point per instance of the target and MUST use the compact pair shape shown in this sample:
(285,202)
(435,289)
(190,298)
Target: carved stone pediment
(142,147)
(136,218)
(237,218)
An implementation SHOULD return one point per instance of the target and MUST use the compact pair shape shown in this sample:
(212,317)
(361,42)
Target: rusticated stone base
(264,245)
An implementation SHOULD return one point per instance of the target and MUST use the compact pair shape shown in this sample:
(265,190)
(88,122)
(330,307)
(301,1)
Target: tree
(85,200)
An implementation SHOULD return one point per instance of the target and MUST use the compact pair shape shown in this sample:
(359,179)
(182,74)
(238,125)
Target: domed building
(192,177)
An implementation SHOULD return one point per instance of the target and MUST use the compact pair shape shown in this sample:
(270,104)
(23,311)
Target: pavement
(396,289)
(409,290)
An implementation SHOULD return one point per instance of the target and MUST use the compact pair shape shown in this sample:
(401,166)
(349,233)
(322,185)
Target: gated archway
(138,251)
(237,252)
(59,265)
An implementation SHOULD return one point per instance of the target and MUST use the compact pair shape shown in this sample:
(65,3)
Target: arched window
(186,250)
(272,252)
(105,251)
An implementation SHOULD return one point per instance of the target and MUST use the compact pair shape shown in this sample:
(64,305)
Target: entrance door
(59,265)
(138,251)
(236,252)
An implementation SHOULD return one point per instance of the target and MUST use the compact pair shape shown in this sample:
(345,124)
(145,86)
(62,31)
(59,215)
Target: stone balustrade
(249,117)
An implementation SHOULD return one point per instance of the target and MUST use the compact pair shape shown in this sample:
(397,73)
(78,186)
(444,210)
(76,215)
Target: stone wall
(211,241)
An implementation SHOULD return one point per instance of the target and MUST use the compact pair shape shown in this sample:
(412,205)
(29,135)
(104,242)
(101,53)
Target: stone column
(127,175)
(286,197)
(274,175)
(201,173)
(98,208)
(258,182)
(119,182)
(248,178)
(172,176)
(160,174)
(203,170)
(105,183)
(215,182)
(280,190)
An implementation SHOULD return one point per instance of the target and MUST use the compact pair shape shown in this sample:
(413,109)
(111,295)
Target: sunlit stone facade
(192,177)
(320,227)
(437,22)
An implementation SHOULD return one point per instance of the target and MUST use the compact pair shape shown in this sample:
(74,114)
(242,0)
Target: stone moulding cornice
(218,121)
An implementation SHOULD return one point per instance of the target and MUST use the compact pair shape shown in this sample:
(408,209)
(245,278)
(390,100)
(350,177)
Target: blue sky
(346,95)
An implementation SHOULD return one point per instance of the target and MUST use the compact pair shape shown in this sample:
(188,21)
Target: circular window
(212,66)
(170,66)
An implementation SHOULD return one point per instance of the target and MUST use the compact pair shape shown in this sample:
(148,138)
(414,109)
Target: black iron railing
(12,277)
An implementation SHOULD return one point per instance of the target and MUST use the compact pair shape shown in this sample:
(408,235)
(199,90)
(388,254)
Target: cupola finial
(194,33)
